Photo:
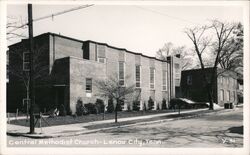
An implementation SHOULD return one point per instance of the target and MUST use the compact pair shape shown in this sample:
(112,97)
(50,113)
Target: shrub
(129,108)
(174,103)
(70,112)
(136,105)
(178,104)
(150,103)
(79,106)
(164,104)
(62,111)
(99,105)
(92,109)
(144,106)
(157,106)
(80,109)
(110,107)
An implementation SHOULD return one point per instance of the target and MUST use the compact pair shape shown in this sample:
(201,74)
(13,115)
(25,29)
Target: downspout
(170,84)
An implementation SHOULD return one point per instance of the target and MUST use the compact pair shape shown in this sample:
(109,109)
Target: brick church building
(66,68)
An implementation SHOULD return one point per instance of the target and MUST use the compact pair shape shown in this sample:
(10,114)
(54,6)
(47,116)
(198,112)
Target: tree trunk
(210,97)
(117,103)
(27,103)
(179,108)
(103,116)
(209,88)
(211,104)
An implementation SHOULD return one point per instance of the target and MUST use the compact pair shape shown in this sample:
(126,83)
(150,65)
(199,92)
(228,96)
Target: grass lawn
(106,125)
(62,120)
(14,114)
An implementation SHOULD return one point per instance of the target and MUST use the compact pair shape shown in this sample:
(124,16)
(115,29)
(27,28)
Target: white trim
(222,95)
(150,78)
(124,72)
(228,96)
(97,53)
(98,60)
(164,72)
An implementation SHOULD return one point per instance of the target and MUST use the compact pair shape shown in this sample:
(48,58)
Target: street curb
(115,127)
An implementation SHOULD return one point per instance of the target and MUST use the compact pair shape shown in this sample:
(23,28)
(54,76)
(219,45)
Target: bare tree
(111,88)
(232,54)
(185,55)
(15,28)
(16,66)
(169,49)
(165,51)
(213,38)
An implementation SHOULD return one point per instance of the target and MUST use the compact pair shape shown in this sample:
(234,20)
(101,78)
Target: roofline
(105,44)
(207,68)
(99,43)
(217,68)
(197,69)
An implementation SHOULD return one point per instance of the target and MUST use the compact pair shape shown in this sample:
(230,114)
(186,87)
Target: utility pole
(31,80)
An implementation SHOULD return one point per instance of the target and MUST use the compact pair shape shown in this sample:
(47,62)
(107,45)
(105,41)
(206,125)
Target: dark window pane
(89,85)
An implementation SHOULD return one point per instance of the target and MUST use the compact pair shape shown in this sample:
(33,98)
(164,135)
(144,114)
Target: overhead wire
(62,12)
(85,6)
(164,14)
(52,16)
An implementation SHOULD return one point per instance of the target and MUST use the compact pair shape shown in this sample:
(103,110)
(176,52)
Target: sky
(138,28)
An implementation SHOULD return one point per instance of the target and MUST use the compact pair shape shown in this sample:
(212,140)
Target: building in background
(240,88)
(225,88)
(66,69)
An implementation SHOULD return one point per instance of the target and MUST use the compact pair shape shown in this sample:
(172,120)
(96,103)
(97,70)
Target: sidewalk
(83,128)
(20,117)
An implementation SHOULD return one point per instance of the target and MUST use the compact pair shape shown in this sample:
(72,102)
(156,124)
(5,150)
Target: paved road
(220,130)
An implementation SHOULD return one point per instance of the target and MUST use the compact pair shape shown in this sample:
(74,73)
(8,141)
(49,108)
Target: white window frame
(139,76)
(234,96)
(97,53)
(164,86)
(222,96)
(91,86)
(98,59)
(152,88)
(228,95)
